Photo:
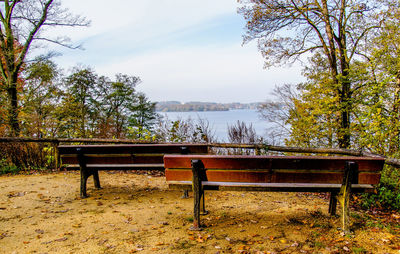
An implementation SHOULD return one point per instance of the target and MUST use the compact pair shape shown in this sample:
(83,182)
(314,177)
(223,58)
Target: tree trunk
(13,110)
(345,107)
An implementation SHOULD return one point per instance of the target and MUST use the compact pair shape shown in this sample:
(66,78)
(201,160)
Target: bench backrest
(130,154)
(273,169)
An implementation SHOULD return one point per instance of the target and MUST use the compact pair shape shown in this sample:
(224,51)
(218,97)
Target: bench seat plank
(124,166)
(278,187)
(278,176)
(135,149)
(131,159)
(237,162)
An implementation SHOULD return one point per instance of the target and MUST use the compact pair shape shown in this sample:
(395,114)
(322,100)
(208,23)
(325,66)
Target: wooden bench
(91,158)
(339,176)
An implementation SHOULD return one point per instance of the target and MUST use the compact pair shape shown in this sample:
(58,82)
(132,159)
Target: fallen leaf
(15,194)
(283,240)
(101,242)
(244,247)
(39,231)
(200,239)
(61,239)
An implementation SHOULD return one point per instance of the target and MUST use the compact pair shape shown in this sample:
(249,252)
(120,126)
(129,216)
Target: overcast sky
(183,50)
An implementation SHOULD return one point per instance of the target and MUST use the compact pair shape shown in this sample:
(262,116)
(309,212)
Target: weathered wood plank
(274,162)
(116,159)
(272,187)
(136,149)
(158,166)
(278,176)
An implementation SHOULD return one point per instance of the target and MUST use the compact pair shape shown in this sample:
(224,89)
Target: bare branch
(60,41)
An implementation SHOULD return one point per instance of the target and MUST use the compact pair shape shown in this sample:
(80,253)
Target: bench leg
(203,210)
(344,199)
(197,165)
(84,176)
(85,173)
(96,179)
(332,203)
(196,210)
(345,193)
(185,194)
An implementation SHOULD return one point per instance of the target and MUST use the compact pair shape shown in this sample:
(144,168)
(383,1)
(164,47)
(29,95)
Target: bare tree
(21,24)
(278,112)
(241,133)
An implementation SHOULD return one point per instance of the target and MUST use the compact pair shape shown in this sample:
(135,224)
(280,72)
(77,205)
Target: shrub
(6,168)
(182,130)
(388,191)
(26,156)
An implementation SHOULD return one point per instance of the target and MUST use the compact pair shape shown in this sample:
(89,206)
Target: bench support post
(85,173)
(197,166)
(96,178)
(203,210)
(185,194)
(332,203)
(345,193)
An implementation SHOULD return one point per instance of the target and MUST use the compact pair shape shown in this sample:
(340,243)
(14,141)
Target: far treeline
(176,106)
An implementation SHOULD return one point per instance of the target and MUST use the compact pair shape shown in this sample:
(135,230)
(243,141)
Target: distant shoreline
(205,110)
(176,106)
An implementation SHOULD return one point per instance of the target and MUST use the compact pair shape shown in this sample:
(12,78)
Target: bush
(6,168)
(388,191)
(18,156)
(182,130)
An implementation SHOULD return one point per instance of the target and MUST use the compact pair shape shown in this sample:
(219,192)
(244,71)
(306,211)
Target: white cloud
(145,38)
(146,17)
(227,74)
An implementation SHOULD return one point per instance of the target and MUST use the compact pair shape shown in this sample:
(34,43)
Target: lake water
(220,120)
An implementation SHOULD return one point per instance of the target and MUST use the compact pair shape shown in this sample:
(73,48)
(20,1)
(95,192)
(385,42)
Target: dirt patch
(139,214)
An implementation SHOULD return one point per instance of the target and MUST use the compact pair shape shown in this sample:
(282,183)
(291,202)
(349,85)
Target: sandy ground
(139,214)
